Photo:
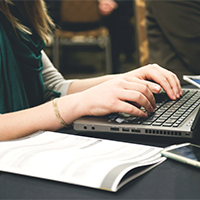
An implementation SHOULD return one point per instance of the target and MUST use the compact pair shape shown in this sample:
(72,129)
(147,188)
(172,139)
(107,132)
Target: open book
(80,160)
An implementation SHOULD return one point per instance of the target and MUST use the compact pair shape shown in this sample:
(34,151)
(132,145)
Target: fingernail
(152,109)
(145,115)
(157,88)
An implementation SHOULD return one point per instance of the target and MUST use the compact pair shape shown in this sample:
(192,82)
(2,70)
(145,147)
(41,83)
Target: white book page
(75,159)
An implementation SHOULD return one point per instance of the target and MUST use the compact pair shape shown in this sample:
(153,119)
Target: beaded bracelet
(55,107)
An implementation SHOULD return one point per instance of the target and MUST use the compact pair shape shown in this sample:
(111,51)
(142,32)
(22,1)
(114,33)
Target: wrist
(70,108)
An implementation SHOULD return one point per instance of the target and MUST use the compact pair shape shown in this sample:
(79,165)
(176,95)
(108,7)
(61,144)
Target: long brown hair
(36,13)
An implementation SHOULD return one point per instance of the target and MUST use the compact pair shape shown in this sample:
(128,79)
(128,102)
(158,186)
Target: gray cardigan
(53,79)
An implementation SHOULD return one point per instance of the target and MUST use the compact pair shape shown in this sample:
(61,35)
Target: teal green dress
(21,83)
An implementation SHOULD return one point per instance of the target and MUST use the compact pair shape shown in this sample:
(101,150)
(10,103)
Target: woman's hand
(166,79)
(115,96)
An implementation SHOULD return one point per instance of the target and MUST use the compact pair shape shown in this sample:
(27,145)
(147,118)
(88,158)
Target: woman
(29,81)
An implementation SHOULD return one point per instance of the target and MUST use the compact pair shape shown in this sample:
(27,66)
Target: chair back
(80,15)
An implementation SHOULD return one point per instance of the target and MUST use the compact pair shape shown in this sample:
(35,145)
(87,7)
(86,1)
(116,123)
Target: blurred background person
(117,18)
(173,32)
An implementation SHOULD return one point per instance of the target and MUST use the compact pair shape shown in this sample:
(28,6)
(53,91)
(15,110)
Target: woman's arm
(103,98)
(53,79)
(84,84)
(153,72)
(22,123)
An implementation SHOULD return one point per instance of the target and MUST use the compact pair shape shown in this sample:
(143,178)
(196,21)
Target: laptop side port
(135,130)
(114,129)
(125,129)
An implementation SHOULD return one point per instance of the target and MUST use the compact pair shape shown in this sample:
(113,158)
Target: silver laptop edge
(101,124)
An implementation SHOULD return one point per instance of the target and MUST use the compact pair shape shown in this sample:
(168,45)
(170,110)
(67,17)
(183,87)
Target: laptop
(179,118)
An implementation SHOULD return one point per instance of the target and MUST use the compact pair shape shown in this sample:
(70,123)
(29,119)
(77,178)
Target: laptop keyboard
(168,113)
